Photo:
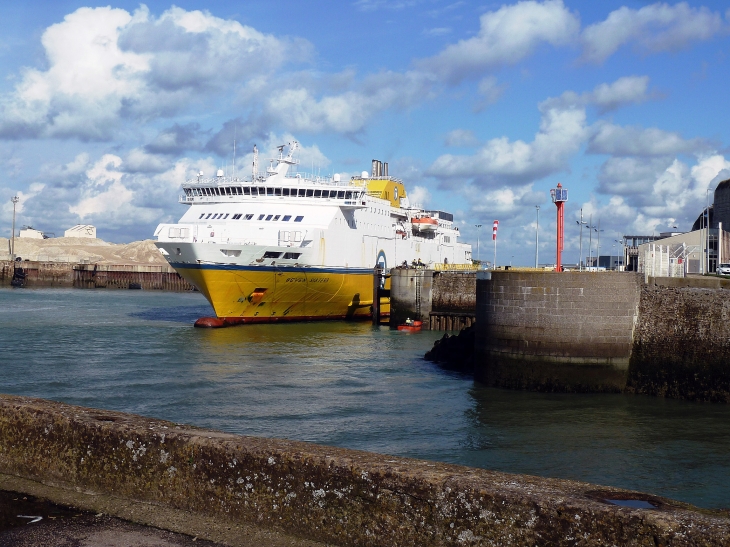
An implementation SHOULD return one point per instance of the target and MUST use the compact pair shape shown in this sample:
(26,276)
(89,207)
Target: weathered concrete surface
(327,494)
(682,344)
(56,526)
(548,331)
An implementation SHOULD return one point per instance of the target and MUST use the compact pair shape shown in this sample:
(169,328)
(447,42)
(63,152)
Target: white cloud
(461,137)
(134,66)
(636,141)
(654,28)
(499,161)
(505,37)
(419,196)
(626,90)
(490,92)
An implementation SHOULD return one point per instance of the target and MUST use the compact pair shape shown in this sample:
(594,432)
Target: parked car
(723,269)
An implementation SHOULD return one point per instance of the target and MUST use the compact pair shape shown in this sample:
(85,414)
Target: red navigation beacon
(560,196)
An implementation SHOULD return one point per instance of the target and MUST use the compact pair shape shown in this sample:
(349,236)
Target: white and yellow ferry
(289,247)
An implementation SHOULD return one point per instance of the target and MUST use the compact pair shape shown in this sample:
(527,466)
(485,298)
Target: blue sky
(481,107)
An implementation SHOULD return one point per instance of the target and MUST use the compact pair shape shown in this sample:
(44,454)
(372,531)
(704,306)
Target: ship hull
(267,294)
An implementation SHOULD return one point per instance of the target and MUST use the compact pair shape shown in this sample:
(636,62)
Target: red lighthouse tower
(560,196)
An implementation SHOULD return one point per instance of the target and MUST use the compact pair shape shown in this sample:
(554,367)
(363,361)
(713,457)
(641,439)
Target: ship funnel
(375,171)
(385,169)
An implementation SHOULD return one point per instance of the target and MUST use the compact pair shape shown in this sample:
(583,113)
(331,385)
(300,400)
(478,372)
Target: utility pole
(537,231)
(598,245)
(15,200)
(478,257)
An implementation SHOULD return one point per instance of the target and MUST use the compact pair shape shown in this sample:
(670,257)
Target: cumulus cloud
(607,96)
(134,66)
(177,139)
(651,195)
(419,196)
(501,161)
(655,28)
(636,141)
(505,37)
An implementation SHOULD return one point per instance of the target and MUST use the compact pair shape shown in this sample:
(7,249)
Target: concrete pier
(319,493)
(604,332)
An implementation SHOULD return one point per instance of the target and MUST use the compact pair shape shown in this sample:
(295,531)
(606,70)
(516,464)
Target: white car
(723,269)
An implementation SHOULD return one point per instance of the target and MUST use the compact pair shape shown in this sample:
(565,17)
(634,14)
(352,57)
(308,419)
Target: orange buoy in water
(210,323)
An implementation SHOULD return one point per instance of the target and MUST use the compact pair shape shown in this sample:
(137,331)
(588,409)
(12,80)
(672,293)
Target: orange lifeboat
(425,224)
(410,326)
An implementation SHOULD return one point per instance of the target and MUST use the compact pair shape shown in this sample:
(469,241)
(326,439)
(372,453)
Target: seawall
(604,332)
(553,331)
(443,300)
(321,493)
(94,276)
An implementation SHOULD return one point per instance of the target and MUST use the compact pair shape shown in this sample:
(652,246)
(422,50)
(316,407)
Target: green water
(350,385)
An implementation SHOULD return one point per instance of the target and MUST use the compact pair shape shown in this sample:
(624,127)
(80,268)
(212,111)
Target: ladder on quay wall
(419,279)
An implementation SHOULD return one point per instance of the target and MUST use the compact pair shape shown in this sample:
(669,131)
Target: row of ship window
(265,191)
(223,216)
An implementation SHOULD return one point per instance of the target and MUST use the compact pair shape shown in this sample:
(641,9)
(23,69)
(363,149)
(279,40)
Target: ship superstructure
(294,247)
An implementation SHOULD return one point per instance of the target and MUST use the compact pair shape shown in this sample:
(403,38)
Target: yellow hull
(267,294)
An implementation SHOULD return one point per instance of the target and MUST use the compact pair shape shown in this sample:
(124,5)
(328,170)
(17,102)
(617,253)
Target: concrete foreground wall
(569,331)
(343,497)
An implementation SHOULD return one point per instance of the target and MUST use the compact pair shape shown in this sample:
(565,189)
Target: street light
(478,226)
(580,251)
(537,230)
(598,248)
(15,200)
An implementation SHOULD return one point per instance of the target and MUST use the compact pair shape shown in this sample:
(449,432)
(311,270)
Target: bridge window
(341,194)
(206,218)
(298,219)
(269,191)
(292,255)
(286,218)
(226,216)
(277,217)
(261,217)
(201,216)
(269,217)
(310,193)
(277,191)
(246,191)
(286,191)
(271,254)
(248,217)
(302,192)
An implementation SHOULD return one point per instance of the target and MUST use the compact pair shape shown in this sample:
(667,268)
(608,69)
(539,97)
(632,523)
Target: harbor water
(350,385)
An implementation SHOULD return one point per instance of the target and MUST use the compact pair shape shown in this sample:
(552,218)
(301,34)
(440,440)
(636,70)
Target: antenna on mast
(255,172)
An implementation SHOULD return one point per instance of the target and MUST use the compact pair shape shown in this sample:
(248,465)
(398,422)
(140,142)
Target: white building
(81,230)
(682,254)
(30,233)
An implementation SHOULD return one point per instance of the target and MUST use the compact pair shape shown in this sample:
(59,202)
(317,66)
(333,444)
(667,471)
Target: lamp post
(707,225)
(537,231)
(580,246)
(590,239)
(15,200)
(598,245)
(477,227)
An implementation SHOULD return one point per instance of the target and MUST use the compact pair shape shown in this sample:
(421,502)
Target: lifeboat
(425,224)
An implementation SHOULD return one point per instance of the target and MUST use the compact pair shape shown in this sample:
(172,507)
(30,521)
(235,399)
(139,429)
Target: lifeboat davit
(425,224)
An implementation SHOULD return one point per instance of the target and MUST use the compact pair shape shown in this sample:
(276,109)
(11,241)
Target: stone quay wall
(682,344)
(94,276)
(444,300)
(569,331)
(594,332)
(320,493)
